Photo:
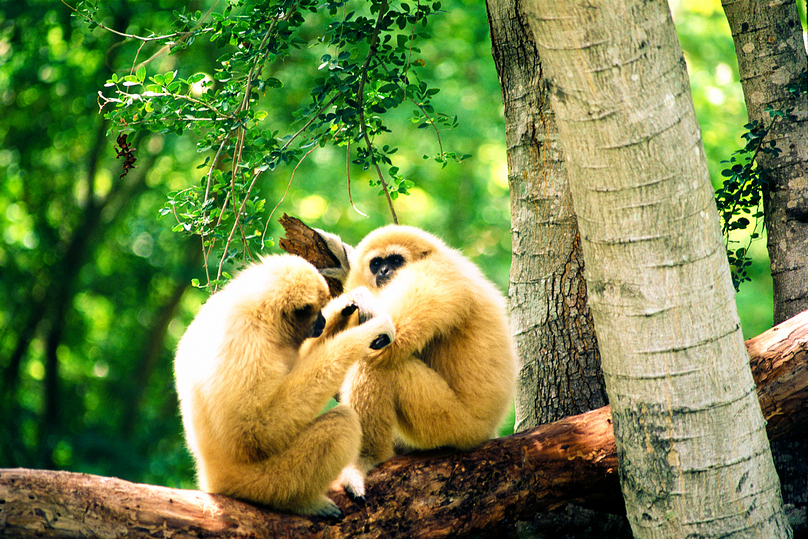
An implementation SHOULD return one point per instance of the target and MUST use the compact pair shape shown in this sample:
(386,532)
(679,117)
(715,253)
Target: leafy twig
(348,177)
(360,94)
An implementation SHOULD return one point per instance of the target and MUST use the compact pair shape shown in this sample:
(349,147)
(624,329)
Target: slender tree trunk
(549,314)
(771,56)
(694,458)
(153,345)
(60,301)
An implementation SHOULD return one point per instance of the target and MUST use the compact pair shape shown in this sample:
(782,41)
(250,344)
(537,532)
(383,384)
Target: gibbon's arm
(315,378)
(299,398)
(424,299)
(339,315)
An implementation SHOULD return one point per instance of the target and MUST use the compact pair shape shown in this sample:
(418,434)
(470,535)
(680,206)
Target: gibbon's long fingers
(367,303)
(352,479)
(431,414)
(380,342)
(339,316)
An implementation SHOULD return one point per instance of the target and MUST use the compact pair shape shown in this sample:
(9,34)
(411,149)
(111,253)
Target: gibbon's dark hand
(380,342)
(348,310)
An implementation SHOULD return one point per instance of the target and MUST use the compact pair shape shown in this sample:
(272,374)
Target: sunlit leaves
(369,68)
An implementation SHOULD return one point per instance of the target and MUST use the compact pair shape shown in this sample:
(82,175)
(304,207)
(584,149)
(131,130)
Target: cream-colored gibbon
(448,378)
(251,391)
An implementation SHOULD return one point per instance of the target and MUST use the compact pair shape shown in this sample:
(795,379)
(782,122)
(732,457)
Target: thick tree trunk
(694,457)
(550,318)
(771,55)
(152,345)
(422,495)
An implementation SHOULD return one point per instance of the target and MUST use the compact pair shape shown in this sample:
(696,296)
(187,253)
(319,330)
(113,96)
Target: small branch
(116,32)
(288,185)
(348,176)
(181,35)
(361,108)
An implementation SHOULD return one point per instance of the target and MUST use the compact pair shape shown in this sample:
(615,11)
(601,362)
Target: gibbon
(250,389)
(449,377)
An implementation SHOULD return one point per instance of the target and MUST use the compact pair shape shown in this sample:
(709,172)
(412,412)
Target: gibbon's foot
(352,481)
(380,342)
(332,514)
(326,509)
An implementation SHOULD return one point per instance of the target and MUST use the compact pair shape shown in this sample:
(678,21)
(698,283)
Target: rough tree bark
(771,55)
(694,457)
(550,318)
(438,494)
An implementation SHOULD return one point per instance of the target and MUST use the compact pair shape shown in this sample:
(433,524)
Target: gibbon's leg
(369,391)
(297,478)
(430,414)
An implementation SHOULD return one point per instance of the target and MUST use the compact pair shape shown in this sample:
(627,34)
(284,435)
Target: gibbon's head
(286,293)
(386,250)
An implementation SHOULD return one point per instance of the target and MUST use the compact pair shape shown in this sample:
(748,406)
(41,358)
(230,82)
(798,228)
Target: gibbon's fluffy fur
(250,390)
(449,377)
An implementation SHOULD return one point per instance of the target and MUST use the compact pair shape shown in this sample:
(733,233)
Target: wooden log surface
(435,494)
(778,359)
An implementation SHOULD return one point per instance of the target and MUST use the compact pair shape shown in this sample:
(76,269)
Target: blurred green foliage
(95,286)
(369,69)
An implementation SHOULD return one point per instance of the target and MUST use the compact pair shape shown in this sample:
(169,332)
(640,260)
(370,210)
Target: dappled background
(95,286)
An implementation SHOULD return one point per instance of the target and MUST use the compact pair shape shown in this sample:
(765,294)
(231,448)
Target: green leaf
(193,79)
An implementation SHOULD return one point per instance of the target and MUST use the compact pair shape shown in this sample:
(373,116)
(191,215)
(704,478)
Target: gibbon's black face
(385,268)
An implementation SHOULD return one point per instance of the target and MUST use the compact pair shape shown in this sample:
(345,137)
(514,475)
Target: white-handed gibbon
(449,377)
(251,391)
